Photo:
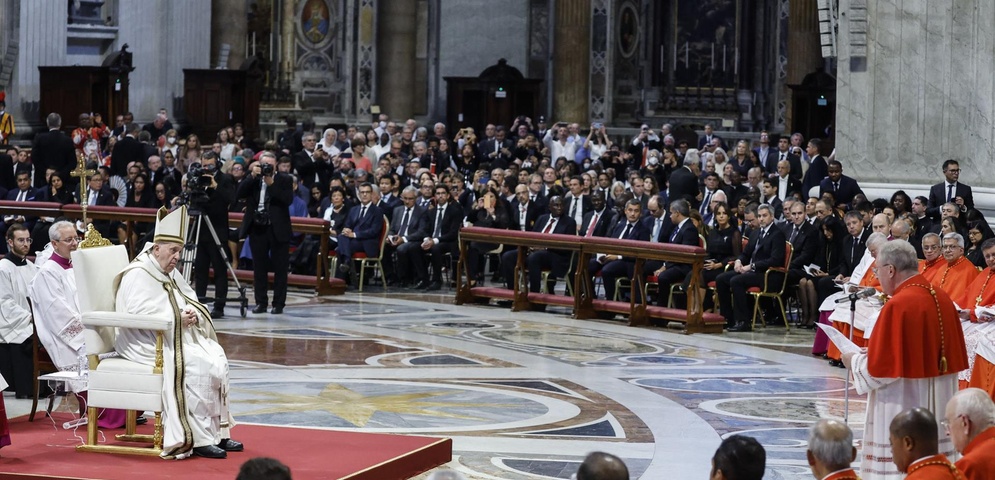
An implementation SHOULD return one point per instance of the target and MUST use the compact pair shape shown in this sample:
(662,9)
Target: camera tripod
(189,255)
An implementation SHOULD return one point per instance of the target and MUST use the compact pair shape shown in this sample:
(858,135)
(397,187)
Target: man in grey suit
(410,226)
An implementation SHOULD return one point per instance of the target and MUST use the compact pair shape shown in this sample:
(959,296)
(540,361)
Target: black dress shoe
(504,303)
(218,313)
(277,310)
(741,327)
(210,451)
(259,309)
(422,285)
(141,420)
(836,363)
(230,445)
(434,286)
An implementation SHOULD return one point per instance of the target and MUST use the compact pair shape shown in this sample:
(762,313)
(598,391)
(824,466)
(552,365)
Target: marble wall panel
(938,23)
(475,34)
(925,94)
(165,36)
(42,43)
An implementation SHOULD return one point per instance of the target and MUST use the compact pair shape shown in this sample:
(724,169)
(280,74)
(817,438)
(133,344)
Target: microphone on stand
(867,292)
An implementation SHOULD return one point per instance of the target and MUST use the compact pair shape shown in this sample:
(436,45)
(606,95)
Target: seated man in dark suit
(443,224)
(842,187)
(97,194)
(614,266)
(557,262)
(804,238)
(787,185)
(763,252)
(361,231)
(682,232)
(524,211)
(599,219)
(410,227)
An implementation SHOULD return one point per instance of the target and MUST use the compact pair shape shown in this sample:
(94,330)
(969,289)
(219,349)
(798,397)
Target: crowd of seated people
(506,176)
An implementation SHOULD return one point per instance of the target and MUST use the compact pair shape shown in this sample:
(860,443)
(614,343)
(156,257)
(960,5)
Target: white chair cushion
(121,383)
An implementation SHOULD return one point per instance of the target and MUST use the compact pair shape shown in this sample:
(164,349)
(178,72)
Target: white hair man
(831,450)
(912,359)
(970,422)
(57,315)
(195,384)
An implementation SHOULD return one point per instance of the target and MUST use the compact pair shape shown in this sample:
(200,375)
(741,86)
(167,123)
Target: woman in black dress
(829,261)
(489,211)
(723,244)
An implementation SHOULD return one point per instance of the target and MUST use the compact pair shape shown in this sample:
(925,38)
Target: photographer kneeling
(211,195)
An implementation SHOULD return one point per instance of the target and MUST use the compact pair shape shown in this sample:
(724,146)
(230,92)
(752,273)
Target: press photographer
(266,224)
(211,193)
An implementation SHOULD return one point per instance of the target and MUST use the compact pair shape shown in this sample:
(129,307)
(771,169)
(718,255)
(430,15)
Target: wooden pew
(583,303)
(521,298)
(322,281)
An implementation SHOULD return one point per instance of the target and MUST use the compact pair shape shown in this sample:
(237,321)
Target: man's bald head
(901,229)
(830,447)
(879,223)
(914,435)
(602,466)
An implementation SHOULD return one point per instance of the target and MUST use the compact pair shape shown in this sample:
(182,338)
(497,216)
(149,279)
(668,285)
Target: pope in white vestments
(195,387)
(912,359)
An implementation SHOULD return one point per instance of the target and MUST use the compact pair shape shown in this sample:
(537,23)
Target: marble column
(926,92)
(179,39)
(804,53)
(396,58)
(42,42)
(571,60)
(287,41)
(229,25)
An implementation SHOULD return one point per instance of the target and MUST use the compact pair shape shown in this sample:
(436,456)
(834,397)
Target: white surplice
(15,315)
(196,409)
(57,317)
(886,398)
(867,310)
(974,333)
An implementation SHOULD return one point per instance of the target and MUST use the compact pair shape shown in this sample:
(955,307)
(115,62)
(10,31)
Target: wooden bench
(322,282)
(584,305)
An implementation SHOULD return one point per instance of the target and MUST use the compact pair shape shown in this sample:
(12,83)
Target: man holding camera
(268,197)
(218,194)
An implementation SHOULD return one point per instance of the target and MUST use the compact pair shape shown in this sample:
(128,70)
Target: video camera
(197,180)
(266,169)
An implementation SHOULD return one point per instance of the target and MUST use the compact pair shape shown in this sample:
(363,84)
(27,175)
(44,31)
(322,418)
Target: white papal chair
(115,382)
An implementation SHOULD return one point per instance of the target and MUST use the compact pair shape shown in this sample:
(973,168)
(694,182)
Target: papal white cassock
(195,368)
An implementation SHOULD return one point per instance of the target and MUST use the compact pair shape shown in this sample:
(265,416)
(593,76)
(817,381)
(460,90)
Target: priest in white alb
(195,370)
(57,315)
(911,360)
(16,275)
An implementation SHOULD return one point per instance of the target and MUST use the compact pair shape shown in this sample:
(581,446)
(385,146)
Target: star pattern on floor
(357,408)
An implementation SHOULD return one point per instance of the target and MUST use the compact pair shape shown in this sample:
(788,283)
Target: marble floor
(528,395)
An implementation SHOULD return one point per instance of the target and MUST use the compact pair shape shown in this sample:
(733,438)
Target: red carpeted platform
(40,450)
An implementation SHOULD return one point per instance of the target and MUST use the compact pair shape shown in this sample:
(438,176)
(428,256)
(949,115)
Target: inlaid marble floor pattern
(527,395)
